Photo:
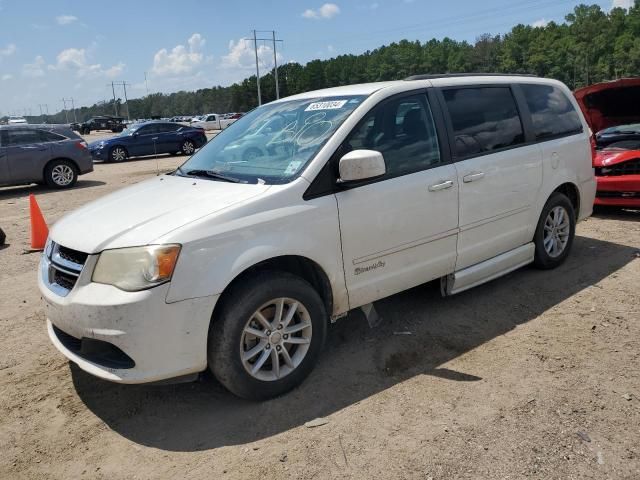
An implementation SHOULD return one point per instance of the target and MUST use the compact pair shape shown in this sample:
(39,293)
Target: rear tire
(248,321)
(61,174)
(188,147)
(555,231)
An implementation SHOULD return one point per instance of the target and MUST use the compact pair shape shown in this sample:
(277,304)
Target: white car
(213,121)
(16,121)
(240,265)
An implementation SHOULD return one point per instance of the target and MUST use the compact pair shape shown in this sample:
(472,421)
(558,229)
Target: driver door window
(403,130)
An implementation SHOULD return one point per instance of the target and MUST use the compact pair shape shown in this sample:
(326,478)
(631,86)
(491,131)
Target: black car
(149,138)
(623,136)
(115,124)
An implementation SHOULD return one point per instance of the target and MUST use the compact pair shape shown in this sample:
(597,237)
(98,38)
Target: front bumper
(99,153)
(618,191)
(160,340)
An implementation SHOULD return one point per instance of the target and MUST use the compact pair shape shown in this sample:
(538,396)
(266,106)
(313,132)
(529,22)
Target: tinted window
(551,111)
(148,130)
(484,119)
(168,127)
(50,136)
(23,137)
(403,131)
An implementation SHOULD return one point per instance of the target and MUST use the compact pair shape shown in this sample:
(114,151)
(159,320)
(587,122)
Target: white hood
(139,214)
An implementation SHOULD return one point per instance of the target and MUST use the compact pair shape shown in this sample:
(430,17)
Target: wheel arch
(111,147)
(571,191)
(298,265)
(56,159)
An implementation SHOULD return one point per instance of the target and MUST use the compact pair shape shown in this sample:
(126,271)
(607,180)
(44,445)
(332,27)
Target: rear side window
(50,136)
(484,119)
(552,113)
(168,127)
(23,137)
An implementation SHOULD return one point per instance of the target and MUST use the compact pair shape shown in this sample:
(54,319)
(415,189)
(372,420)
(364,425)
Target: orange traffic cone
(39,230)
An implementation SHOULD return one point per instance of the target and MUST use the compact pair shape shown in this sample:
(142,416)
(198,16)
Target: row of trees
(589,47)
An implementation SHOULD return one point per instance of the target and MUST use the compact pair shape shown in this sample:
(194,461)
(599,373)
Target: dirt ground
(534,375)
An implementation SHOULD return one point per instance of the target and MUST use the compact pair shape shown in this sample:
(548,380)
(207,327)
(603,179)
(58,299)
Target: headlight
(136,268)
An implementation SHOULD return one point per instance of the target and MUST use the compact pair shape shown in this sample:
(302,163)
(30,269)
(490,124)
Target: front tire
(117,154)
(555,231)
(60,174)
(267,335)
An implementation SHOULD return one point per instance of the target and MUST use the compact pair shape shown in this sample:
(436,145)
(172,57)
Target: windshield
(127,131)
(273,143)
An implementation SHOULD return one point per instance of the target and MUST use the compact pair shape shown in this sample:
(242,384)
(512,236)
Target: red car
(617,150)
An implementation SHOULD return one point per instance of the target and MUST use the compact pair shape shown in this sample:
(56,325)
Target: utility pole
(46,106)
(145,83)
(124,86)
(75,119)
(70,99)
(115,106)
(255,47)
(275,64)
(275,60)
(66,114)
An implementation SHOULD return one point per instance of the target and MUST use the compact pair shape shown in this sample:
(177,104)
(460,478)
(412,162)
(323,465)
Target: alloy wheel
(188,148)
(556,231)
(62,175)
(275,339)
(118,154)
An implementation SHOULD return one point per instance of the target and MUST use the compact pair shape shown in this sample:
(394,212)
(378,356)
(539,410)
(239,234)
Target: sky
(50,50)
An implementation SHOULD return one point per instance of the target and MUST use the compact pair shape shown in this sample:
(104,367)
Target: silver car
(44,154)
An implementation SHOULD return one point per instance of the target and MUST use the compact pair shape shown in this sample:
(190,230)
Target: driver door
(400,230)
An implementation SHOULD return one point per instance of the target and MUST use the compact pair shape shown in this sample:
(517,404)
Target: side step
(488,270)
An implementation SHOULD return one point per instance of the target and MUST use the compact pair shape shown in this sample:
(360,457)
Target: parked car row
(611,108)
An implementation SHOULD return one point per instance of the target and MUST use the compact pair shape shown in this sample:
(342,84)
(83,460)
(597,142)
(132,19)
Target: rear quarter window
(552,113)
(50,136)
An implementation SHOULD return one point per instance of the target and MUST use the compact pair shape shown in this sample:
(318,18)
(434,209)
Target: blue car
(149,138)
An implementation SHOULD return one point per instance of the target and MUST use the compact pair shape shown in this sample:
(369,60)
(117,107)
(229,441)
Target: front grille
(64,267)
(72,255)
(631,167)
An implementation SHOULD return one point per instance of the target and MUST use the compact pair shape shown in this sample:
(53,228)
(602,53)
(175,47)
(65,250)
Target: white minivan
(240,264)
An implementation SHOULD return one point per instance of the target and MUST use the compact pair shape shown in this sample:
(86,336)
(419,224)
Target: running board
(488,270)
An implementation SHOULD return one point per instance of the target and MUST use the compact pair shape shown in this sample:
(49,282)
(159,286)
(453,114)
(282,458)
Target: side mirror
(135,134)
(361,165)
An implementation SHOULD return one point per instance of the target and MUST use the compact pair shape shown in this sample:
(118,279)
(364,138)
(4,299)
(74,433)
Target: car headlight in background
(136,268)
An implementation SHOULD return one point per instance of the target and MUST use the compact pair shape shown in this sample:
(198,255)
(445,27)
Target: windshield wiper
(213,174)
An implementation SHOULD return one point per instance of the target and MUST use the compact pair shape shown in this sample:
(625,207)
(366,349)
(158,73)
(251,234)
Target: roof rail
(431,76)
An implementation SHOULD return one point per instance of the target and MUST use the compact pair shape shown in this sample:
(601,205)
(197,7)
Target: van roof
(416,81)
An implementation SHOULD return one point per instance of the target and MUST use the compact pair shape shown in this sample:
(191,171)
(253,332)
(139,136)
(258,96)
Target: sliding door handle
(472,177)
(441,186)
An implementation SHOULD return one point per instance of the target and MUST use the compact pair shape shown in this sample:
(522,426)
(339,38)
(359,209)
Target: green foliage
(591,46)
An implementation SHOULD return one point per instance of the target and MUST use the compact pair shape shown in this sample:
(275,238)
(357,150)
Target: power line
(502,11)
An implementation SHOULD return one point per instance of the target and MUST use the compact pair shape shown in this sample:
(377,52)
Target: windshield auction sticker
(330,105)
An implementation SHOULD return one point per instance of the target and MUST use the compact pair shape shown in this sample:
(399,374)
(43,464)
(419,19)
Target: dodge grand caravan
(239,264)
